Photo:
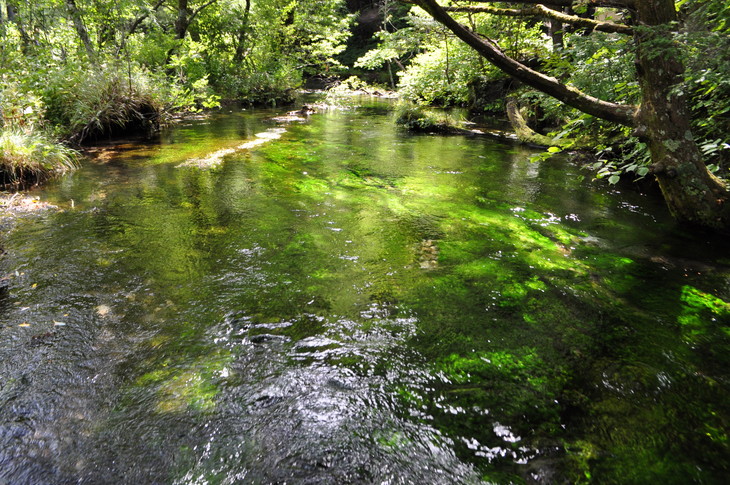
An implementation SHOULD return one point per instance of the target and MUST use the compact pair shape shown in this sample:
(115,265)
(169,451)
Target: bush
(266,86)
(102,102)
(441,76)
(417,118)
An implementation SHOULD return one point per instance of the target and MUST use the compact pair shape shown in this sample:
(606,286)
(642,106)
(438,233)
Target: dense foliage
(83,69)
(439,69)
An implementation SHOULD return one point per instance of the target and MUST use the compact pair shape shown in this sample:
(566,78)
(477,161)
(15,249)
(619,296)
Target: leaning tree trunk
(692,193)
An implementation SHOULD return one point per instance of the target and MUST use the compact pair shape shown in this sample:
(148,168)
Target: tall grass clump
(28,152)
(28,157)
(104,102)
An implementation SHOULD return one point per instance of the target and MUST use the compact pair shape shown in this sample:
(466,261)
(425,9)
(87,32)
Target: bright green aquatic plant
(194,387)
(702,314)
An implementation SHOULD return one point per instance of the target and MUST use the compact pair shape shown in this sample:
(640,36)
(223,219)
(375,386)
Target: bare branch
(581,22)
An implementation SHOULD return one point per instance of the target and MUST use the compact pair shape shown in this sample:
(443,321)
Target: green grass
(27,157)
(417,118)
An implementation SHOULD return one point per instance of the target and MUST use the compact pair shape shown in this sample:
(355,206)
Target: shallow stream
(349,303)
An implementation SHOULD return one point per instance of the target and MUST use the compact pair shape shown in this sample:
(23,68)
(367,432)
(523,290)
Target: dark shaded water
(352,304)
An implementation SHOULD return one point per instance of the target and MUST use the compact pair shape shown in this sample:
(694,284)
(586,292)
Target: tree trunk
(181,22)
(692,193)
(13,17)
(556,34)
(75,14)
(242,35)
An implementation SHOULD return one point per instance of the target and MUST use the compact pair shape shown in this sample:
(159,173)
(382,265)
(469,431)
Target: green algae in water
(351,304)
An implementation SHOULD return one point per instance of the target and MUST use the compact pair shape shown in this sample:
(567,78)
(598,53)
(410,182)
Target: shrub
(100,102)
(417,118)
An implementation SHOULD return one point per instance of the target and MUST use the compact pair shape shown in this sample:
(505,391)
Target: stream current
(343,302)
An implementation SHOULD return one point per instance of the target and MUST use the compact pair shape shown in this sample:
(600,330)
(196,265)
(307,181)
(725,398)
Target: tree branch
(543,11)
(143,16)
(569,95)
(572,3)
(197,10)
(136,23)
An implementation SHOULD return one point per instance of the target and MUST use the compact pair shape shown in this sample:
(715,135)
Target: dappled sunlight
(323,308)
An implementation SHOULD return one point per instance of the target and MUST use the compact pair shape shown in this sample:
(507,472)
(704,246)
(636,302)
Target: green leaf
(554,150)
(613,179)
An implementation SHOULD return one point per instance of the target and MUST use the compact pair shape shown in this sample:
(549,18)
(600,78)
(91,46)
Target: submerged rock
(428,253)
(298,115)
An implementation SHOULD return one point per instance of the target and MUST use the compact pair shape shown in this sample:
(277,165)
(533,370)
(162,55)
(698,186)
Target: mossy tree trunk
(692,193)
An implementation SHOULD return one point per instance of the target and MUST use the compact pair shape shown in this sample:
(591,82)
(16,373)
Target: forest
(364,241)
(583,75)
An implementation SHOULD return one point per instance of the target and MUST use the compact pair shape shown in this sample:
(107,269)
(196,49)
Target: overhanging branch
(136,23)
(569,95)
(631,4)
(200,8)
(543,11)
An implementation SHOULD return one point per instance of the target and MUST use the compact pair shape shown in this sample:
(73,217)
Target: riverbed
(345,302)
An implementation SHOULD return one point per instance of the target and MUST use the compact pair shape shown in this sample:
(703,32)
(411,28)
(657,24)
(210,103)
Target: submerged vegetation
(444,284)
(434,307)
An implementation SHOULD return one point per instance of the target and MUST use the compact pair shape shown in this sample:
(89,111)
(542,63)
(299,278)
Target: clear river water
(337,301)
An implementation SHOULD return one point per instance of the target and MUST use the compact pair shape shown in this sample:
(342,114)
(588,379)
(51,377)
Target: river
(338,301)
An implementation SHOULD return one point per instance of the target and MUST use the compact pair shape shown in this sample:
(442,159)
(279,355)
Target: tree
(692,193)
(83,34)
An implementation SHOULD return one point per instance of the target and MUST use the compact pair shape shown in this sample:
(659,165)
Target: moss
(703,315)
(194,387)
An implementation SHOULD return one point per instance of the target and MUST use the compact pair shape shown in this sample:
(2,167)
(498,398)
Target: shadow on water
(353,304)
